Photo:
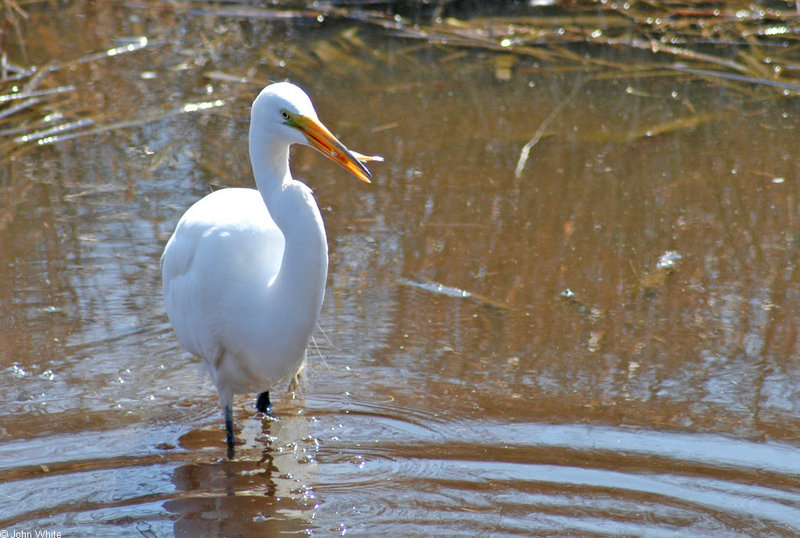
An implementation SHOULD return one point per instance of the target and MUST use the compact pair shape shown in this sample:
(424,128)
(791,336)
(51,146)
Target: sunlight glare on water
(606,344)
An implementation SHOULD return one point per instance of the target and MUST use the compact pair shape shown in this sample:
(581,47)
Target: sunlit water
(623,360)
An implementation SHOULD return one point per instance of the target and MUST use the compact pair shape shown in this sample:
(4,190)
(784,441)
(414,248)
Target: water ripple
(533,478)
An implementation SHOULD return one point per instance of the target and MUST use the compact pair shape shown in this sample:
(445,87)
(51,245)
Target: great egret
(244,272)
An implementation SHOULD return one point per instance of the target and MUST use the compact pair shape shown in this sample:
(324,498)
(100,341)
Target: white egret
(244,272)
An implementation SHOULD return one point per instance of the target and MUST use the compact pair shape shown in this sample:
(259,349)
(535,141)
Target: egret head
(283,109)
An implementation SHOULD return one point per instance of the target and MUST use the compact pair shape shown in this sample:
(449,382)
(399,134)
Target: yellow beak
(320,138)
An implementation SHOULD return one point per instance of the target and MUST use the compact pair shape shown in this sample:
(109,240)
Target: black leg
(231,440)
(263,404)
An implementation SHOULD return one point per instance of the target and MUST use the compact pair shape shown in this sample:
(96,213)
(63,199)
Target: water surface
(606,344)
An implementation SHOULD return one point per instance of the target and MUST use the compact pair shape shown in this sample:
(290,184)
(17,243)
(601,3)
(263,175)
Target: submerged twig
(53,135)
(659,129)
(523,155)
(741,78)
(25,95)
(9,11)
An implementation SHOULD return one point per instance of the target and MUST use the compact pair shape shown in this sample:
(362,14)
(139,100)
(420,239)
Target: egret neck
(304,267)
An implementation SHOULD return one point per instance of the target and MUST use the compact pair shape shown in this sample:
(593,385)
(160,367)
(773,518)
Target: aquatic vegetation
(751,49)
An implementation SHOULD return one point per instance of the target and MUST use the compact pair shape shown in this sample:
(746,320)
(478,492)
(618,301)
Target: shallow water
(606,345)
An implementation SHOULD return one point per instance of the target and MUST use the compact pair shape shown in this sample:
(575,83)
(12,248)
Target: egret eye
(285,115)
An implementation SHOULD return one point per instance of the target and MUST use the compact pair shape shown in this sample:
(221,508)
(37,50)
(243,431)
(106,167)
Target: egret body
(244,272)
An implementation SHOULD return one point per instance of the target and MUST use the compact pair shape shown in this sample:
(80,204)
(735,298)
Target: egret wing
(225,248)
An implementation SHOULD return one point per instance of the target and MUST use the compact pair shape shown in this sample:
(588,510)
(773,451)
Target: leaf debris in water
(669,260)
(451,291)
(435,287)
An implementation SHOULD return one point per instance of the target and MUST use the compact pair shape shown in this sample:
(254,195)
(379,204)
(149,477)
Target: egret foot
(263,404)
(229,437)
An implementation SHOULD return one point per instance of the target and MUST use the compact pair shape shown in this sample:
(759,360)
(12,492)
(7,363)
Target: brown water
(627,362)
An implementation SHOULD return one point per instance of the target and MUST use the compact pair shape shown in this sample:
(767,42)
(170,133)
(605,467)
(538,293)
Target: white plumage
(244,272)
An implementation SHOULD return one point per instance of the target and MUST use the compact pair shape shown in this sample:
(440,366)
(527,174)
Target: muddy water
(606,344)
